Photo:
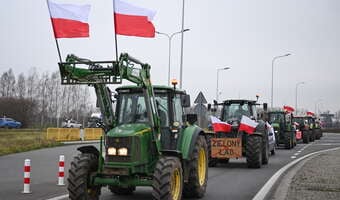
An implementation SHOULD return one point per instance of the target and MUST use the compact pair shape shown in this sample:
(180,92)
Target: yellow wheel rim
(175,184)
(201,166)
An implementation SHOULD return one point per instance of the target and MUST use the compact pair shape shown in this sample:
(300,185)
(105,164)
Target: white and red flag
(309,113)
(69,20)
(288,109)
(220,126)
(247,125)
(131,20)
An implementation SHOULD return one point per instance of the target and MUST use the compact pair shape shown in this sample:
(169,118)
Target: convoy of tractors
(149,140)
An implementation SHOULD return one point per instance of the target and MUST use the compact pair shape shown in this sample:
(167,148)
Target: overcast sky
(242,34)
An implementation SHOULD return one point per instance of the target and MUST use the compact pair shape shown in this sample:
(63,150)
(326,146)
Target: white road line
(295,154)
(59,197)
(293,157)
(299,151)
(263,192)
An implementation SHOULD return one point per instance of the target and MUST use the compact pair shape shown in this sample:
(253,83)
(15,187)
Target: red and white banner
(220,126)
(247,125)
(131,20)
(68,20)
(310,113)
(288,109)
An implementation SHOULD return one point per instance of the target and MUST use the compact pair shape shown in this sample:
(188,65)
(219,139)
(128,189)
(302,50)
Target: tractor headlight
(112,151)
(123,151)
(276,131)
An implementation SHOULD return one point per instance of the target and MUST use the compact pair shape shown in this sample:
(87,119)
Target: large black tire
(265,151)
(197,183)
(121,191)
(313,135)
(288,140)
(305,137)
(78,181)
(254,151)
(166,168)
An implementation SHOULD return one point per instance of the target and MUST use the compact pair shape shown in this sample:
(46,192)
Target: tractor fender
(89,149)
(189,137)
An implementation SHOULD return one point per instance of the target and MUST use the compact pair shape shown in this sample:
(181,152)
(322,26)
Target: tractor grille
(131,143)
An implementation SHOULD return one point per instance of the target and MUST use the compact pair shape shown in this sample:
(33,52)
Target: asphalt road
(229,181)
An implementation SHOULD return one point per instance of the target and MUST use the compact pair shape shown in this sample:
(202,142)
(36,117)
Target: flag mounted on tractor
(69,20)
(131,20)
(220,126)
(288,109)
(247,125)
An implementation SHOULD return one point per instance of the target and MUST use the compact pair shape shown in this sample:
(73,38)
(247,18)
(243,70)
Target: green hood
(129,130)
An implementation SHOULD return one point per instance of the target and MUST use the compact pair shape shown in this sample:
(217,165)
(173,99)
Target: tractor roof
(240,101)
(155,87)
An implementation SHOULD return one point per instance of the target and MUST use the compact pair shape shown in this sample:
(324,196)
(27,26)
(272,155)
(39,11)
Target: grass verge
(20,140)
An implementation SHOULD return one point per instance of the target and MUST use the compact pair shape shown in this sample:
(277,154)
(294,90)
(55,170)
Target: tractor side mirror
(191,118)
(185,100)
(209,106)
(265,107)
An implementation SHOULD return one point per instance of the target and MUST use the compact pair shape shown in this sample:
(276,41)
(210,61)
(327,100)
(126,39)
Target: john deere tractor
(284,130)
(147,141)
(255,146)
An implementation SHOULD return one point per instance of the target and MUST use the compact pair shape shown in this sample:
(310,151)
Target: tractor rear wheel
(168,179)
(265,152)
(288,141)
(78,181)
(305,137)
(254,151)
(198,174)
(121,190)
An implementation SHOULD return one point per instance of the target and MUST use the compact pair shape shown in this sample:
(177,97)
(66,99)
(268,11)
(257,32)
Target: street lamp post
(219,69)
(276,57)
(170,38)
(296,95)
(316,106)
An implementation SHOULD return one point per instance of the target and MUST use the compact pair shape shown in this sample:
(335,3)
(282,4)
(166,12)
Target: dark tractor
(148,141)
(303,126)
(255,146)
(284,130)
(314,127)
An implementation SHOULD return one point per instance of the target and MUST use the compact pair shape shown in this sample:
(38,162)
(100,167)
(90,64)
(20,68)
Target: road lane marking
(59,197)
(293,157)
(263,192)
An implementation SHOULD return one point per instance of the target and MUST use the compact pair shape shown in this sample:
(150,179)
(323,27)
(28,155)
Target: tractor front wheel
(79,174)
(288,141)
(198,174)
(305,137)
(254,151)
(168,179)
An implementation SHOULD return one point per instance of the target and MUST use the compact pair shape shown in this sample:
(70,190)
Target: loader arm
(100,73)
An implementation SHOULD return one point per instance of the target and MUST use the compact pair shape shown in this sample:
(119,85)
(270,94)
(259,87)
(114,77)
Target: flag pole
(56,40)
(114,25)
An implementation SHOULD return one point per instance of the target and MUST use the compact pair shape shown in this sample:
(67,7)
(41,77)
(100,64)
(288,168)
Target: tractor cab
(284,130)
(233,110)
(131,111)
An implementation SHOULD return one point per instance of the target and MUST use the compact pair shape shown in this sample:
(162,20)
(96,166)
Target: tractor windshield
(235,111)
(132,108)
(276,118)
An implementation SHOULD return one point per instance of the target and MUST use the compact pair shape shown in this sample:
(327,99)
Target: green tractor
(147,141)
(284,130)
(255,146)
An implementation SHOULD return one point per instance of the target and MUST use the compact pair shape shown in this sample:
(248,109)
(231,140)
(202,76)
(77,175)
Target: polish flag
(310,113)
(131,20)
(220,126)
(68,20)
(247,125)
(288,109)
